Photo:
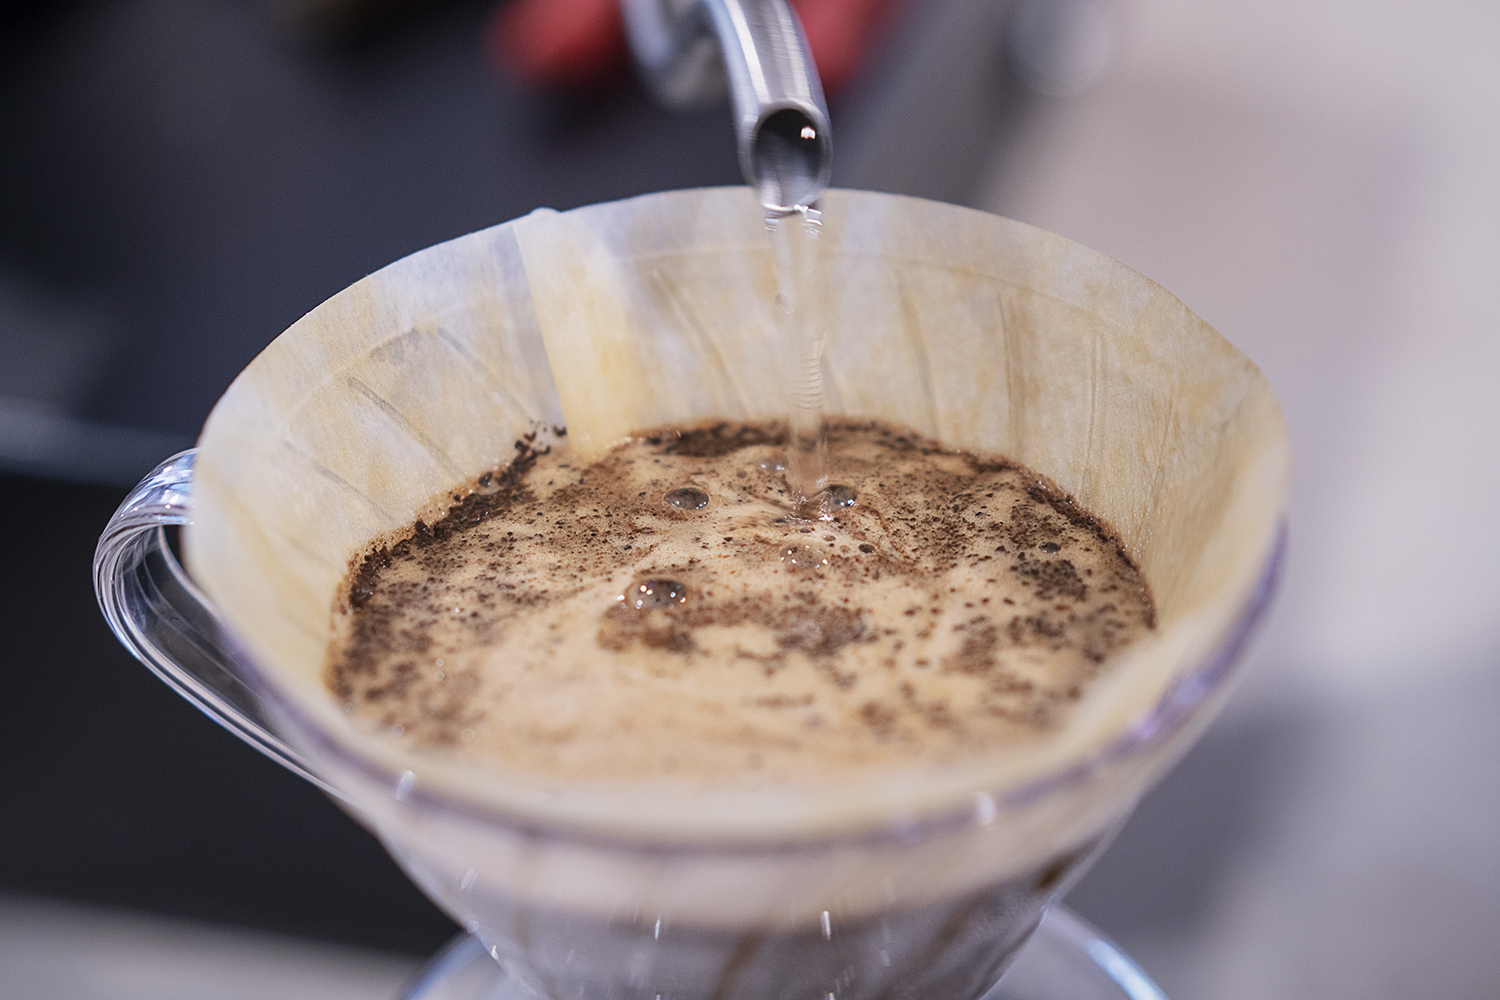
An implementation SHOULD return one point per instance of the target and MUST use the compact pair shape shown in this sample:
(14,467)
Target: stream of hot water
(801,333)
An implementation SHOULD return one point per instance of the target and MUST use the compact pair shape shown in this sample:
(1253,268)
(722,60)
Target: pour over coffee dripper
(985,333)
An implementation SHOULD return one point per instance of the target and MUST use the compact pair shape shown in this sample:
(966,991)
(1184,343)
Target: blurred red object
(574,44)
(580,44)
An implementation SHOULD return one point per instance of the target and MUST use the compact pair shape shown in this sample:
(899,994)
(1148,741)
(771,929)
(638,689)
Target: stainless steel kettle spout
(689,49)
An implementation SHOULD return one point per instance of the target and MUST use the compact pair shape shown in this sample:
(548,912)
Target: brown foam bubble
(668,612)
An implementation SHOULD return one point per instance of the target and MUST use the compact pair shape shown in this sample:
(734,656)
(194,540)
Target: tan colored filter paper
(983,332)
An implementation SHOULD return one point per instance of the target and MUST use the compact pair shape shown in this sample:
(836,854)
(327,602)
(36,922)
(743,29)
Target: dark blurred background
(182,179)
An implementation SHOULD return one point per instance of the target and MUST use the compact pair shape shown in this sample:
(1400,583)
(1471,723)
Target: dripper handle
(166,622)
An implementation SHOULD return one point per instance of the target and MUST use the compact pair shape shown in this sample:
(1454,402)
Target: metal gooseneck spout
(688,49)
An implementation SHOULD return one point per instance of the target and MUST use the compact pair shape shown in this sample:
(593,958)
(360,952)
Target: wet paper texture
(982,332)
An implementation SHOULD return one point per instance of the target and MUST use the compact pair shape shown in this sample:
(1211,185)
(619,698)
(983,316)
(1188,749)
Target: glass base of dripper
(1066,959)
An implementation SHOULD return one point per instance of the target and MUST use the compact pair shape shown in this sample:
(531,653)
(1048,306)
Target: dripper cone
(984,333)
(981,332)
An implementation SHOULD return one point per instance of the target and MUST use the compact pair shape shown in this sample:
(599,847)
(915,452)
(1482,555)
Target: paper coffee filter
(983,332)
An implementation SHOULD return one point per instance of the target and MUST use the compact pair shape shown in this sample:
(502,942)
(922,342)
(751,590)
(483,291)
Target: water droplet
(803,557)
(1050,546)
(866,548)
(397,729)
(837,496)
(688,498)
(438,662)
(985,810)
(771,465)
(644,595)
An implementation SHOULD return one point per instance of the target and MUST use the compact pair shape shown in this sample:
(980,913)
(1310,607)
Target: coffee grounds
(667,610)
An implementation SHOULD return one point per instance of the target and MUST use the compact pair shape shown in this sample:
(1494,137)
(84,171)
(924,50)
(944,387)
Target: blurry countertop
(57,951)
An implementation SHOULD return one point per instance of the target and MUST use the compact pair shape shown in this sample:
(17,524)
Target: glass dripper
(982,332)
